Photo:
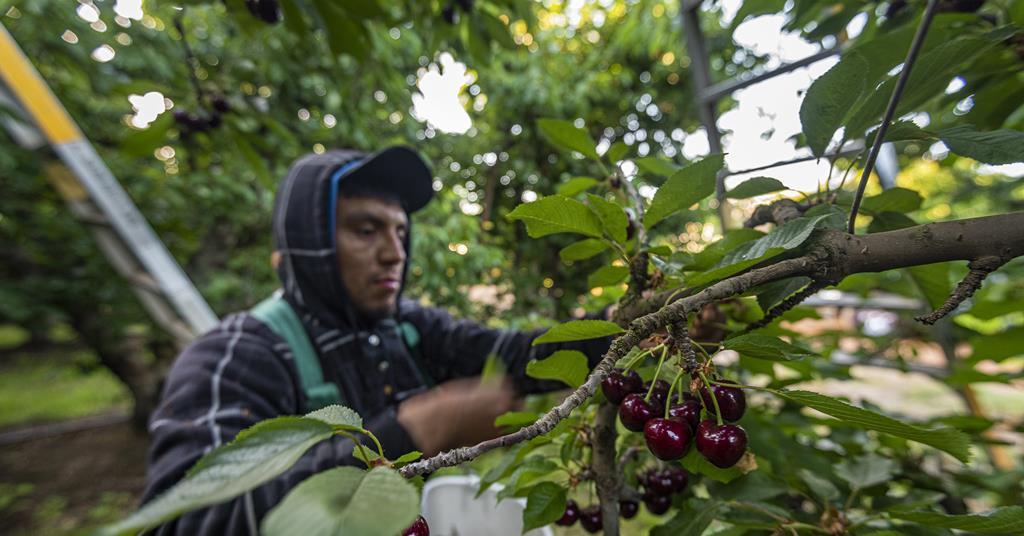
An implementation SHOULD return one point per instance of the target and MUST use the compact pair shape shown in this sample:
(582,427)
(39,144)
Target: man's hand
(456,413)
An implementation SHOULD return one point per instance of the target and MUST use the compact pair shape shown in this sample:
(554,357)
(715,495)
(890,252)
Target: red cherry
(679,477)
(418,528)
(572,513)
(618,384)
(667,439)
(731,401)
(688,412)
(657,504)
(721,445)
(628,509)
(590,519)
(658,482)
(635,412)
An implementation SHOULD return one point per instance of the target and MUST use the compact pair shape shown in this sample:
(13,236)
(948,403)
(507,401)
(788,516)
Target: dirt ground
(71,483)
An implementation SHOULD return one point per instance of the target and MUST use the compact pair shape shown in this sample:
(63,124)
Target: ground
(50,486)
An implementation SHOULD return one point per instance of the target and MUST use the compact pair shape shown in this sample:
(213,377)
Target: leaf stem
(359,445)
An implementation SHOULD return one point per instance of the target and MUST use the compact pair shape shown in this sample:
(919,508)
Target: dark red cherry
(679,477)
(628,509)
(731,401)
(657,504)
(721,445)
(667,439)
(635,412)
(572,513)
(658,482)
(590,519)
(418,528)
(688,412)
(618,384)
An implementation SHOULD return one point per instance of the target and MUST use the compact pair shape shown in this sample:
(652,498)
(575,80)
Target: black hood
(308,267)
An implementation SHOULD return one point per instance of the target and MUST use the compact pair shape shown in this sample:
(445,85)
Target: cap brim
(399,170)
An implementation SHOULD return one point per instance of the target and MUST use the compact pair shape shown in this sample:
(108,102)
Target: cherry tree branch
(979,270)
(796,299)
(607,476)
(831,255)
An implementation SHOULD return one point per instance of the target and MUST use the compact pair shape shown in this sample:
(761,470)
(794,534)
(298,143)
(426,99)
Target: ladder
(97,200)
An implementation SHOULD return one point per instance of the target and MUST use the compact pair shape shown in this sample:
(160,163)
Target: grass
(56,386)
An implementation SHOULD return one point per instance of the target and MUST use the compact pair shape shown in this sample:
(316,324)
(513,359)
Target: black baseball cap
(397,170)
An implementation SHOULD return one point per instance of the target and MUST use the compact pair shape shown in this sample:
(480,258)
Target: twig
(901,82)
(683,345)
(796,299)
(190,57)
(979,270)
(778,213)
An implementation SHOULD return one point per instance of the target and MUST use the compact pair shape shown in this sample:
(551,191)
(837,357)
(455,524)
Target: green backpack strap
(279,316)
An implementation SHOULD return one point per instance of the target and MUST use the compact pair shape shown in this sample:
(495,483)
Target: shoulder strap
(279,316)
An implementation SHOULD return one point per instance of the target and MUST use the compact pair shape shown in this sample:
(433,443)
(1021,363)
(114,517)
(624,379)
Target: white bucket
(451,508)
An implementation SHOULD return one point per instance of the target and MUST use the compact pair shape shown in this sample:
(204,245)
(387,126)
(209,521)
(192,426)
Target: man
(341,238)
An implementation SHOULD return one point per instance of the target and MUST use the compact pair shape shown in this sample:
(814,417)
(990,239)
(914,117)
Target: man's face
(371,252)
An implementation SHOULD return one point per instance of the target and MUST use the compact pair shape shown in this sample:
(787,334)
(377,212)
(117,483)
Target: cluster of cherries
(669,437)
(659,486)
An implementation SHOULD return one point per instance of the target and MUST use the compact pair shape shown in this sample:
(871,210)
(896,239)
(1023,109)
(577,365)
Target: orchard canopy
(855,219)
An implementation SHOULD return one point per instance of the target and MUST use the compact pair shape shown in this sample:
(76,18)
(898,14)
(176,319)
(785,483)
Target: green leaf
(754,187)
(901,131)
(821,487)
(517,419)
(568,366)
(786,236)
(257,455)
(766,347)
(933,282)
(613,217)
(545,504)
(828,100)
(345,35)
(928,78)
(691,521)
(714,252)
(774,293)
(576,185)
(525,474)
(293,18)
(656,166)
(407,458)
(346,500)
(337,415)
(578,330)
(695,462)
(998,346)
(617,151)
(565,135)
(1005,520)
(685,187)
(557,214)
(144,142)
(996,147)
(584,249)
(607,275)
(866,471)
(946,439)
(892,200)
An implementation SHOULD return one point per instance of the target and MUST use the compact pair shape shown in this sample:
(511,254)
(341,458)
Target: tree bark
(607,479)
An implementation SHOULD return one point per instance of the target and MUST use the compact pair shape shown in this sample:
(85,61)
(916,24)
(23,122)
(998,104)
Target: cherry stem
(380,449)
(671,390)
(702,351)
(714,399)
(664,352)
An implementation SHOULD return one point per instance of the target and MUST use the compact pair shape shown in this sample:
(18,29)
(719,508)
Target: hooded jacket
(241,372)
